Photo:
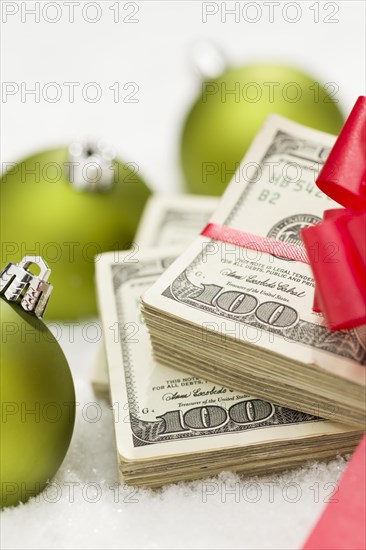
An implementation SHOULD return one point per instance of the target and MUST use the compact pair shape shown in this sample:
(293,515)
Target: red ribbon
(342,524)
(337,246)
(258,243)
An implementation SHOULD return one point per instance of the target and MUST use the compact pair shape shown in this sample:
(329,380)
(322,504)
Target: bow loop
(343,176)
(339,266)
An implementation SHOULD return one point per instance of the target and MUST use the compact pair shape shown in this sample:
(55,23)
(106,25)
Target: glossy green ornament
(64,208)
(231,109)
(37,391)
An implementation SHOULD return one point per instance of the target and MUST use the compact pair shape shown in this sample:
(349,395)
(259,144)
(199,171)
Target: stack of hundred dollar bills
(199,381)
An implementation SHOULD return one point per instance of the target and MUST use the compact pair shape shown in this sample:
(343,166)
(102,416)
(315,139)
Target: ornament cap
(91,166)
(208,59)
(30,291)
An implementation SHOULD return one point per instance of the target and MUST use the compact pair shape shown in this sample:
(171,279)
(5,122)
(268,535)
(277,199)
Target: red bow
(337,247)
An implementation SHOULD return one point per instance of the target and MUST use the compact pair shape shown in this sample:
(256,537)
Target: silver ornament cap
(91,166)
(19,285)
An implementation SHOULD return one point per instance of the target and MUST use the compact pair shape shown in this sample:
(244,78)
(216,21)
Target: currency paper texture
(162,412)
(253,298)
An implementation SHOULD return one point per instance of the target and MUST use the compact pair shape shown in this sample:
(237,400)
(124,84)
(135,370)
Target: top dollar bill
(256,302)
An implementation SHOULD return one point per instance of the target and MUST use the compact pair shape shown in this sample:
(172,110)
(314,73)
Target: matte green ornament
(37,391)
(69,206)
(232,107)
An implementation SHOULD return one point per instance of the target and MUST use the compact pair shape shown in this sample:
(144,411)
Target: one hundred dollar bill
(261,302)
(161,412)
(174,220)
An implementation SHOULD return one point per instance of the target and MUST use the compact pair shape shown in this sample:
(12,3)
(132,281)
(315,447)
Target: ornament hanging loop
(30,291)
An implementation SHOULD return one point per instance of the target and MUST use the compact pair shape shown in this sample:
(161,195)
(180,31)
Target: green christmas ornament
(69,206)
(37,391)
(232,106)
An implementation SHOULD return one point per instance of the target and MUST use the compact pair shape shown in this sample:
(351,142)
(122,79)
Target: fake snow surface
(84,508)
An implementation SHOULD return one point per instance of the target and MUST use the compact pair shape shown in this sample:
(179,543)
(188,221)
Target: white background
(154,53)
